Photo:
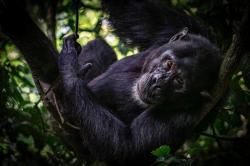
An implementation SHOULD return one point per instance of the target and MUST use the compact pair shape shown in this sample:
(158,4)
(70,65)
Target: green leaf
(162,151)
(4,147)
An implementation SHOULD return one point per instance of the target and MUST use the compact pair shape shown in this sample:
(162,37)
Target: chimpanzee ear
(206,95)
(179,35)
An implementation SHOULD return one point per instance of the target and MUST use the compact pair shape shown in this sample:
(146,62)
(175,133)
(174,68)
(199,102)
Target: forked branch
(239,47)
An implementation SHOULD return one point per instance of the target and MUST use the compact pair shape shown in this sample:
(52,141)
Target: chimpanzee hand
(68,66)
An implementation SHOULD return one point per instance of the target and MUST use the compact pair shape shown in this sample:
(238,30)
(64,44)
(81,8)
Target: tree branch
(246,70)
(51,20)
(41,56)
(226,138)
(37,49)
(239,47)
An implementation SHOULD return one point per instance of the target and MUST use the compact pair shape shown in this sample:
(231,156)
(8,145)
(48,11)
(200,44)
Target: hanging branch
(239,47)
(225,138)
(76,6)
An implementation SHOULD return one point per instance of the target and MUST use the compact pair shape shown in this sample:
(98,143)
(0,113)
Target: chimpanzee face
(175,71)
(163,77)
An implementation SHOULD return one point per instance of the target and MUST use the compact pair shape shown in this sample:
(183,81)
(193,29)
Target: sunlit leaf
(162,151)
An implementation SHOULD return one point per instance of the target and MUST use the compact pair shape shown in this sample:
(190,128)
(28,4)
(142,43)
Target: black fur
(146,23)
(114,126)
(104,56)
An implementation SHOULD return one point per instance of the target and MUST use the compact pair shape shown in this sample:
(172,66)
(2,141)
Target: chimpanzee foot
(68,65)
(70,43)
(67,62)
(68,54)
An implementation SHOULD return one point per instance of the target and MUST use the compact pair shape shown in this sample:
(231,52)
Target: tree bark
(239,47)
(51,20)
(37,49)
(246,71)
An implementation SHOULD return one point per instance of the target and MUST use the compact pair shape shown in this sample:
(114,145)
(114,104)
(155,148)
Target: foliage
(26,135)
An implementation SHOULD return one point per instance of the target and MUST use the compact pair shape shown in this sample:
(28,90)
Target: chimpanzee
(136,104)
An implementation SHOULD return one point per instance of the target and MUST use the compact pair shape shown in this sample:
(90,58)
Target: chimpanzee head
(185,68)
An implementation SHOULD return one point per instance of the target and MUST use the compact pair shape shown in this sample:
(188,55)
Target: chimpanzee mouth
(147,91)
(151,88)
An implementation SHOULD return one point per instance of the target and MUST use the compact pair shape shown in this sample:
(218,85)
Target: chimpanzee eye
(168,64)
(178,82)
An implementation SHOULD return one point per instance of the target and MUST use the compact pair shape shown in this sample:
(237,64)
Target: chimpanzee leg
(100,54)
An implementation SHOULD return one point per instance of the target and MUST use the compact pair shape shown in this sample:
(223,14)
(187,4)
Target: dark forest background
(27,134)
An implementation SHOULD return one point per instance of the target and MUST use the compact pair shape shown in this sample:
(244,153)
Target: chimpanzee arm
(146,22)
(105,135)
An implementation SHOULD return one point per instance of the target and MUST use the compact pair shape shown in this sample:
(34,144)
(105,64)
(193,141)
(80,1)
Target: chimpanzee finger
(84,69)
(179,35)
